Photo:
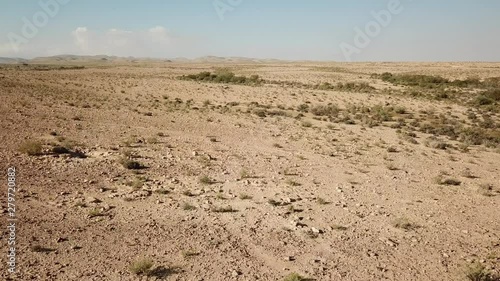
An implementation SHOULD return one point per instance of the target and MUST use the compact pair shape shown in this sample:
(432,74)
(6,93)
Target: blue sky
(423,30)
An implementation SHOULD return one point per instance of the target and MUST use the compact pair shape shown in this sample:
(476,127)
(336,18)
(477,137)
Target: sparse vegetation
(31,148)
(161,191)
(447,181)
(245,174)
(488,190)
(404,223)
(307,124)
(325,110)
(141,267)
(292,183)
(322,201)
(205,180)
(137,183)
(190,253)
(223,76)
(188,207)
(339,227)
(224,209)
(244,196)
(41,249)
(95,213)
(294,277)
(131,164)
(479,272)
(391,167)
(293,162)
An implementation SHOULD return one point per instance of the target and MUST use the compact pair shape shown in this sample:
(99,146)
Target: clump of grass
(187,193)
(260,112)
(31,148)
(131,164)
(205,180)
(152,140)
(141,267)
(303,108)
(468,174)
(60,150)
(404,223)
(294,277)
(391,167)
(162,191)
(487,190)
(188,207)
(189,254)
(41,249)
(245,174)
(225,209)
(307,124)
(325,110)
(293,183)
(95,213)
(447,181)
(204,160)
(137,183)
(322,201)
(80,204)
(339,227)
(478,272)
(244,196)
(436,144)
(392,149)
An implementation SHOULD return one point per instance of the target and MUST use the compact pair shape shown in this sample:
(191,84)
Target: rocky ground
(126,172)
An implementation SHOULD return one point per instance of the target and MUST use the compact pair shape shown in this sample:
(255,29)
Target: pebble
(235,273)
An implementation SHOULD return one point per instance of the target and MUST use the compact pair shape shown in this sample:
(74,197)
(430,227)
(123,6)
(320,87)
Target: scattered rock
(93,200)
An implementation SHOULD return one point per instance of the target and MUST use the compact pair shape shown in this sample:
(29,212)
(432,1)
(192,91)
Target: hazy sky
(418,30)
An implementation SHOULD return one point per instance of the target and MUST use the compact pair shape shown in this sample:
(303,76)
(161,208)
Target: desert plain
(252,170)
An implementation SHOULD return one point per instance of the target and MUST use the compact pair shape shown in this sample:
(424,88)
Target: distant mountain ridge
(116,59)
(12,60)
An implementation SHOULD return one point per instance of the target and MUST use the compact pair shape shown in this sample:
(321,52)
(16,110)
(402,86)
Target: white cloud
(81,37)
(156,41)
(153,42)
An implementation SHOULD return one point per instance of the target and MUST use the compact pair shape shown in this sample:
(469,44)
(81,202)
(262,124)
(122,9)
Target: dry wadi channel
(252,171)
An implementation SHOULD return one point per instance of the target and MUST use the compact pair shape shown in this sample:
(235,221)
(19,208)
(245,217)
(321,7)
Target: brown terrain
(132,171)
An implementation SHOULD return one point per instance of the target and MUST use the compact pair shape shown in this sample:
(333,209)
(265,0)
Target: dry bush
(32,148)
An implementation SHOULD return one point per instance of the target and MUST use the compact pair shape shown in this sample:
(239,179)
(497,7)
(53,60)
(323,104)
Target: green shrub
(223,76)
